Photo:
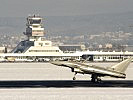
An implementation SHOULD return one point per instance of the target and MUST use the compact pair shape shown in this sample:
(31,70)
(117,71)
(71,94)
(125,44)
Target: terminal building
(36,47)
(36,43)
(72,48)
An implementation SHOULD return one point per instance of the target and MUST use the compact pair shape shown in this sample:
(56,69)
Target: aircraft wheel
(93,80)
(99,80)
(74,78)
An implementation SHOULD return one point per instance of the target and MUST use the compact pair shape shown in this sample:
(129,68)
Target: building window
(41,44)
(46,43)
(43,50)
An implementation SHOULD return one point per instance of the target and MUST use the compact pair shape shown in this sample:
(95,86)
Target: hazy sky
(18,8)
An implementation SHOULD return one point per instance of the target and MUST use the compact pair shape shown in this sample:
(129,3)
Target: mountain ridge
(73,25)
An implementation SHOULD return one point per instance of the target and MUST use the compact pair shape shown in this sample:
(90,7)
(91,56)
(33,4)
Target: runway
(43,81)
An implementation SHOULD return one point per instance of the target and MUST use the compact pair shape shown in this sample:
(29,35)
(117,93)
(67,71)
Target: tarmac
(44,81)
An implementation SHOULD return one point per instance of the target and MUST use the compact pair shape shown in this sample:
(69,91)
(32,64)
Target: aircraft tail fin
(122,66)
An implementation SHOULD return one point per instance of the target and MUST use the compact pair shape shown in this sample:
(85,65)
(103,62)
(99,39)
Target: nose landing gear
(74,78)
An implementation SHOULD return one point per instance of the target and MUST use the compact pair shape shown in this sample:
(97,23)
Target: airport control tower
(34,28)
(36,42)
(34,32)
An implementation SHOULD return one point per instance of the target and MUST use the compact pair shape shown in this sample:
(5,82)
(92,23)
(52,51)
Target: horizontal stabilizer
(122,66)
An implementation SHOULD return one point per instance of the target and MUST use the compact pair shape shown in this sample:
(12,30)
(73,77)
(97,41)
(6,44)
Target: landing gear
(95,78)
(74,78)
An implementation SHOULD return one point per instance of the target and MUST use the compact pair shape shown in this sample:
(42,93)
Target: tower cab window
(35,21)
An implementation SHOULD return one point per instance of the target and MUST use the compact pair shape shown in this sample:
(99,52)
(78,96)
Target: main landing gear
(95,78)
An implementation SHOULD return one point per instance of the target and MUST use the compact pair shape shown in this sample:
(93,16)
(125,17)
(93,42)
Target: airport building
(37,48)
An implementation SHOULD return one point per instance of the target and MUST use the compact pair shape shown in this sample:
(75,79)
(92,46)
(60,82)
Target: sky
(22,8)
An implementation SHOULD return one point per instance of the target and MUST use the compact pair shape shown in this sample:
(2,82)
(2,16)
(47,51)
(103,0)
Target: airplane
(116,71)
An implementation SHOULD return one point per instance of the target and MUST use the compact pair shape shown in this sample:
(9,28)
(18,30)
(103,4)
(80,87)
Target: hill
(73,25)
